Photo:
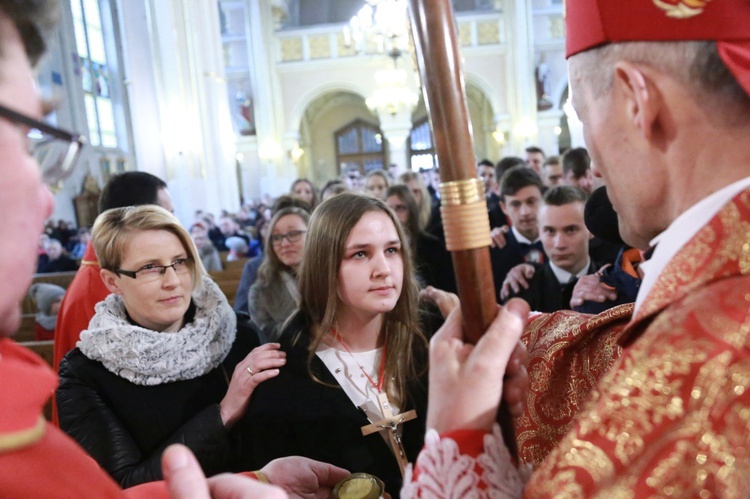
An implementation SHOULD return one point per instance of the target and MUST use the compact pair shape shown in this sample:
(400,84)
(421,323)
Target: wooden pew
(228,280)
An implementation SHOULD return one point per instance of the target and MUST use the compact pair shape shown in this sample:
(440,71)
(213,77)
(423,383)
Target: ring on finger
(250,371)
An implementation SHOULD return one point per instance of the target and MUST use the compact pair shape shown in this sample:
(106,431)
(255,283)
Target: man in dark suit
(521,194)
(566,242)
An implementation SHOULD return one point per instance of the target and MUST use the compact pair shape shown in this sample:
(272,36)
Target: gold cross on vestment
(390,422)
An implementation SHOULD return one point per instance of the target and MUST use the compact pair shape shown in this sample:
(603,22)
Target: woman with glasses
(164,358)
(275,295)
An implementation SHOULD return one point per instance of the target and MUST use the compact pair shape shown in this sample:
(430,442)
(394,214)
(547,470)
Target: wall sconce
(296,153)
(499,136)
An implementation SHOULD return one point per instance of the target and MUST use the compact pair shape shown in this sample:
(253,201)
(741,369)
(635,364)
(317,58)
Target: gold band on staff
(464,210)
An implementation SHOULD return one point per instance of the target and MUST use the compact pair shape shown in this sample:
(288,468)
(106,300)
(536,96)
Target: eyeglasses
(55,150)
(292,236)
(152,272)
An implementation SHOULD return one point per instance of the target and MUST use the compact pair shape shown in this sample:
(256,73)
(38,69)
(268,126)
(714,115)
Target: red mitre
(589,23)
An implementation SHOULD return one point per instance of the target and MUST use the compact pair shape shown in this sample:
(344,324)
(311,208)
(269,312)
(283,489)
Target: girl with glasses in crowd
(355,350)
(275,295)
(164,358)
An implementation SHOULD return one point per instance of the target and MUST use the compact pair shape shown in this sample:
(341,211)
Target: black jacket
(125,427)
(292,414)
(545,293)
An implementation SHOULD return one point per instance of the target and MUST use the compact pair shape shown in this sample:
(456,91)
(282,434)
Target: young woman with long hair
(275,295)
(355,351)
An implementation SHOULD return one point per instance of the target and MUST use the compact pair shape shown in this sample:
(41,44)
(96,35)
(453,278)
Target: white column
(520,81)
(192,111)
(396,129)
(272,178)
(548,139)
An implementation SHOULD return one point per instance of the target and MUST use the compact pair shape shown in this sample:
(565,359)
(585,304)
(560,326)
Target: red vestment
(77,308)
(672,417)
(37,460)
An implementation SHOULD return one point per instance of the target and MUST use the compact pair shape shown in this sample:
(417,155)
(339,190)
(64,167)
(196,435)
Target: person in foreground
(355,351)
(37,460)
(665,111)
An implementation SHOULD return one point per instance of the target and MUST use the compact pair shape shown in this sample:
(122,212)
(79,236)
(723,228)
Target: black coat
(512,254)
(125,427)
(545,293)
(292,414)
(433,263)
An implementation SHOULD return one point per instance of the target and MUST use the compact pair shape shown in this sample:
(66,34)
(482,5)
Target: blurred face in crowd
(522,209)
(25,201)
(534,160)
(415,189)
(376,185)
(200,236)
(487,174)
(564,236)
(153,300)
(164,199)
(585,182)
(288,240)
(352,179)
(53,249)
(552,174)
(400,208)
(304,191)
(227,226)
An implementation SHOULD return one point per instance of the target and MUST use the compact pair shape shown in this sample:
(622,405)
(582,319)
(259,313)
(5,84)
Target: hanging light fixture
(380,26)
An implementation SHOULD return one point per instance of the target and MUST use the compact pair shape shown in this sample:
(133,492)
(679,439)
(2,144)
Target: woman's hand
(466,381)
(259,365)
(444,300)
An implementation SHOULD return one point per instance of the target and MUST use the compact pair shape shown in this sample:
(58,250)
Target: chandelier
(380,26)
(392,95)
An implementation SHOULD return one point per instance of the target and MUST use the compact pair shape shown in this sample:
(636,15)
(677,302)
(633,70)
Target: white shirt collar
(563,276)
(682,230)
(521,238)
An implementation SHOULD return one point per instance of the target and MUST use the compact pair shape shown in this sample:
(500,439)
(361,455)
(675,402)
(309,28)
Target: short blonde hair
(113,228)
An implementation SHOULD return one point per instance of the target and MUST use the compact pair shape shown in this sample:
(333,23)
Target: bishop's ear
(635,85)
(111,281)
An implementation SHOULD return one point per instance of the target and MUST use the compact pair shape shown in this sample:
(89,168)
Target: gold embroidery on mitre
(681,9)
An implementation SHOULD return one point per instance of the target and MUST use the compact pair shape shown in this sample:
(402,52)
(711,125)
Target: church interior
(229,101)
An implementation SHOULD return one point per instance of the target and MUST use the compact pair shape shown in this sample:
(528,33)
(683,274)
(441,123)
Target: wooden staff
(463,204)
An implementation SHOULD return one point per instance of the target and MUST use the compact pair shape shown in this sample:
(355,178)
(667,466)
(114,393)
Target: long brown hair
(328,230)
(272,266)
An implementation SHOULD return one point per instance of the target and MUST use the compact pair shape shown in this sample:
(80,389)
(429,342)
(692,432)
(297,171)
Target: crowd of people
(331,363)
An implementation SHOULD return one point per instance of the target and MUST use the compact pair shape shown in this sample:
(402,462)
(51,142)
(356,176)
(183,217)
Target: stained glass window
(95,72)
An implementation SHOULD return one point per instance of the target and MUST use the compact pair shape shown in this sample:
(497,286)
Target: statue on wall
(543,77)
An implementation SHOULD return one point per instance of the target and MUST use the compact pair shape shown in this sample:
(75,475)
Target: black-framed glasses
(55,150)
(292,236)
(153,272)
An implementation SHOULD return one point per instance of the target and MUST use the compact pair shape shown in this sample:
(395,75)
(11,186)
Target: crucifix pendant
(390,423)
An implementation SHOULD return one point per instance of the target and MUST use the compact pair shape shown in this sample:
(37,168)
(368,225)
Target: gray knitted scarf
(147,357)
